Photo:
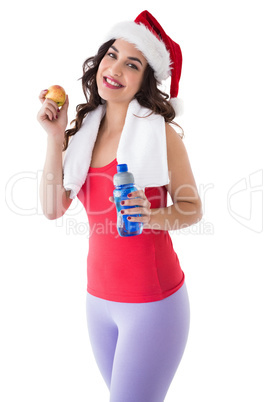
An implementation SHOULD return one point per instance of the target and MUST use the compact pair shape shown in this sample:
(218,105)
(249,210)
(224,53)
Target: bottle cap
(123,176)
(122,168)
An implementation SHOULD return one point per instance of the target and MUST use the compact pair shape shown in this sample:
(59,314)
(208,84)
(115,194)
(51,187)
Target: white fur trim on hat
(178,105)
(153,49)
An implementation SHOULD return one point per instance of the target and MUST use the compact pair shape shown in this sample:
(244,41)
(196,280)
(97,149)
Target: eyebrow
(130,58)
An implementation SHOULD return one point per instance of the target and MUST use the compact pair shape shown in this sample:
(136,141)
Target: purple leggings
(138,346)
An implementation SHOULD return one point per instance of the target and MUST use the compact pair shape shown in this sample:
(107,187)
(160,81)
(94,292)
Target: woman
(137,303)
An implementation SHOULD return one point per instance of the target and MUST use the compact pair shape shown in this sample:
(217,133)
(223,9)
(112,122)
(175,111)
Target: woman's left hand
(142,203)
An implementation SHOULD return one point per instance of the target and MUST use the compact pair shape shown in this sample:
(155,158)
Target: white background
(45,351)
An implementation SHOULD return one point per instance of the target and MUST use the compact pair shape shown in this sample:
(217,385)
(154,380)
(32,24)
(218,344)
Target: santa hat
(162,53)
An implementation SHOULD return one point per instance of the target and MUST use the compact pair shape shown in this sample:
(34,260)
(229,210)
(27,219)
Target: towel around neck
(142,146)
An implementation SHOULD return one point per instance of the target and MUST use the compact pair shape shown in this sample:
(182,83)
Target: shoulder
(174,141)
(171,132)
(179,167)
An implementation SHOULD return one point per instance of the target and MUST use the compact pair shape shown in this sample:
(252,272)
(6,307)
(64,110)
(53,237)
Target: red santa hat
(162,53)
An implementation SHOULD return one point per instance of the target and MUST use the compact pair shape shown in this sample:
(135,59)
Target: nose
(116,69)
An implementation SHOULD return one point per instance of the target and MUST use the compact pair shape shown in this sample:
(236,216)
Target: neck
(114,118)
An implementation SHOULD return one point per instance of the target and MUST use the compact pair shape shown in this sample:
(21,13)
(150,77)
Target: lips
(111,83)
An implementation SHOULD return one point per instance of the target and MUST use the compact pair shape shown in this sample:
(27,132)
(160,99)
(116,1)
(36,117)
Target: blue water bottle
(124,184)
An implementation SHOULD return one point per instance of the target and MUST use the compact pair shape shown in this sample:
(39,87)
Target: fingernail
(122,212)
(129,195)
(129,218)
(58,110)
(122,202)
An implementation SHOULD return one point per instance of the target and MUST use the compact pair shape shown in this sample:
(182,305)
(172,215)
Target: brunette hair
(149,95)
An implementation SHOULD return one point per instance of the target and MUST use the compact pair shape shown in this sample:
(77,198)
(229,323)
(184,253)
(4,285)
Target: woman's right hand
(52,119)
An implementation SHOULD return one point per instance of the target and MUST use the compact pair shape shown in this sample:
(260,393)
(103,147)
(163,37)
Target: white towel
(142,146)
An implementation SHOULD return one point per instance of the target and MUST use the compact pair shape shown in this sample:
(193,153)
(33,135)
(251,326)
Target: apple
(57,94)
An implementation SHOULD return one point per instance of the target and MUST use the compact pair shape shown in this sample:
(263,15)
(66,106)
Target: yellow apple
(57,94)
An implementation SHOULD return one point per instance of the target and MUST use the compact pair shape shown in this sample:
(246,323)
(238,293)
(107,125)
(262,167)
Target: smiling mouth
(112,83)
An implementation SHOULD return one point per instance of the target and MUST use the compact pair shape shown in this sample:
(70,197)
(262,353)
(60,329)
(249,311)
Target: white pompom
(178,105)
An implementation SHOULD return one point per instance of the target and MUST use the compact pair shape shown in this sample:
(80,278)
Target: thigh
(151,342)
(103,334)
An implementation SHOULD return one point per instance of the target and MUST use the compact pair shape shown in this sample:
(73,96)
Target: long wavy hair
(149,95)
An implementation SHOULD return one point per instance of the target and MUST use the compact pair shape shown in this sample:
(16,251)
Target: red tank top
(134,269)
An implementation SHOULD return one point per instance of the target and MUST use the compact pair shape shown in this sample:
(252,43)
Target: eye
(111,54)
(132,66)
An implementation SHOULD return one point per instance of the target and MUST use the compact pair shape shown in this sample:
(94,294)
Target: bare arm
(186,208)
(53,197)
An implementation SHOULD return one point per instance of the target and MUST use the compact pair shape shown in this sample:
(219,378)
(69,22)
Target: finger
(50,107)
(42,95)
(66,103)
(111,199)
(138,193)
(144,219)
(134,211)
(136,201)
(47,114)
(47,111)
(51,102)
(44,115)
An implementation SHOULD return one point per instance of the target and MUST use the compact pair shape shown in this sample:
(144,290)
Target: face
(120,72)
